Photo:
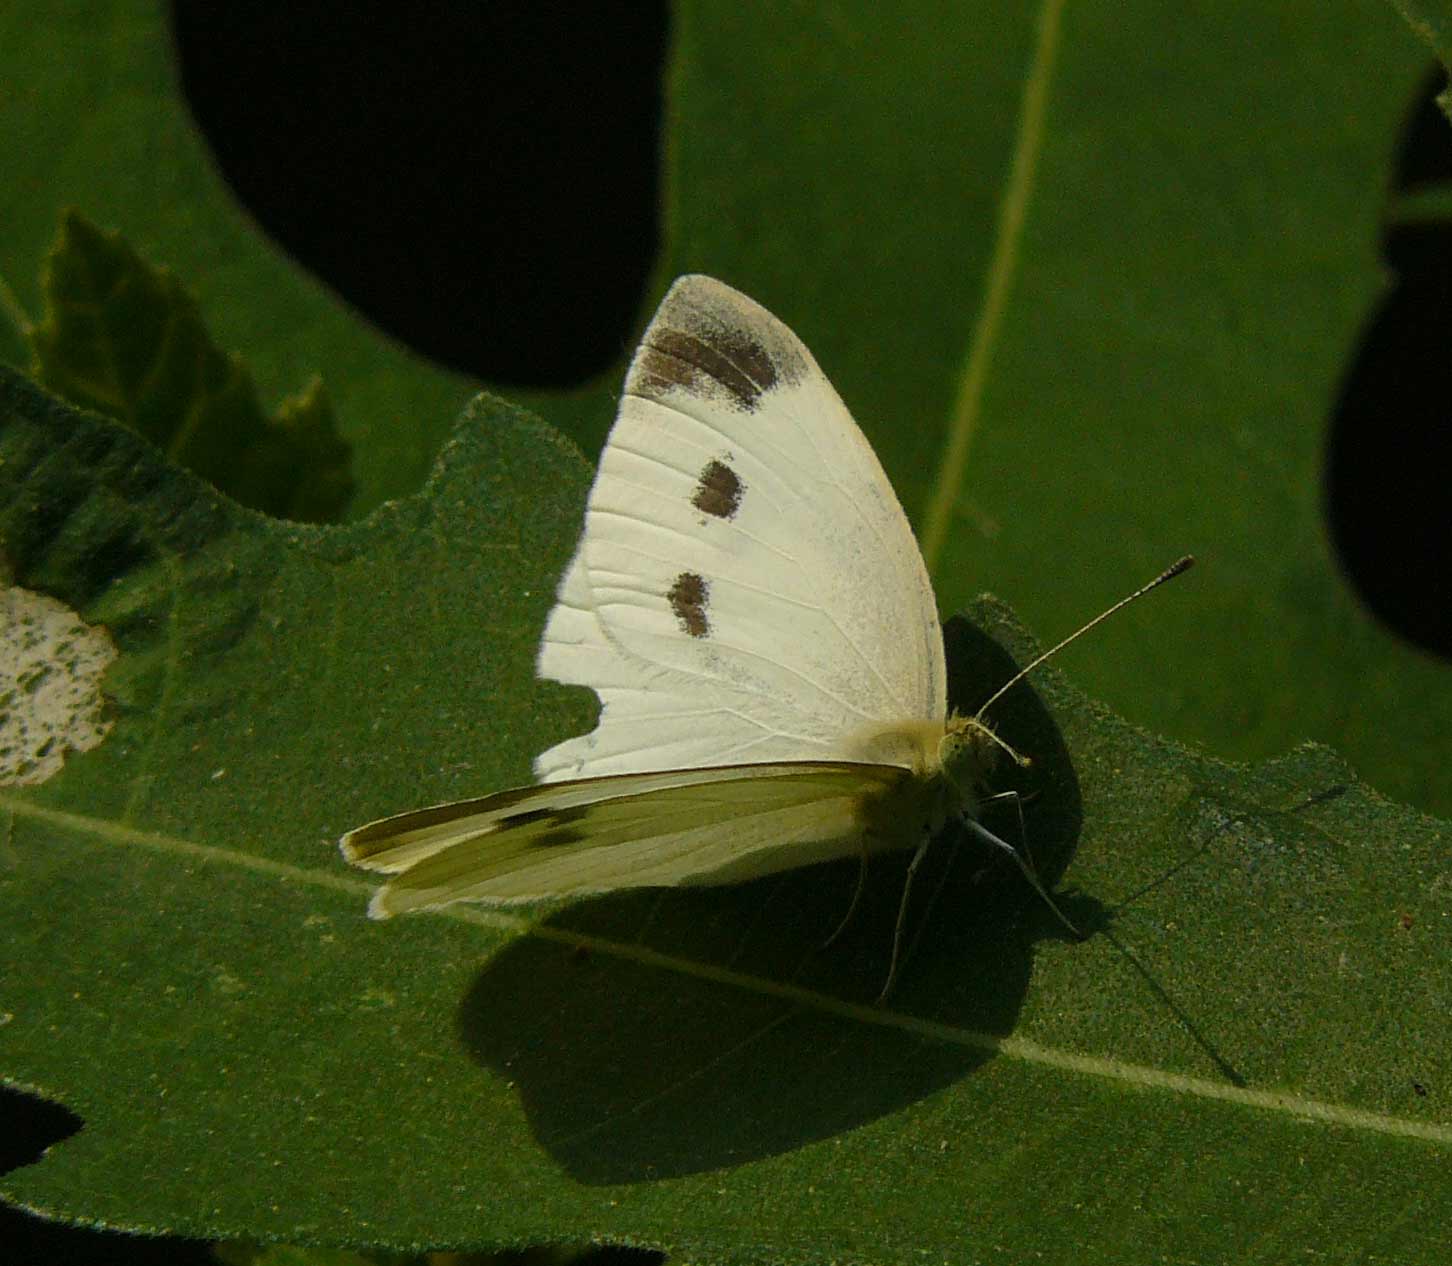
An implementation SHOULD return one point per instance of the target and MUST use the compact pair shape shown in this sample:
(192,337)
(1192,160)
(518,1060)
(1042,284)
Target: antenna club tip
(1181,565)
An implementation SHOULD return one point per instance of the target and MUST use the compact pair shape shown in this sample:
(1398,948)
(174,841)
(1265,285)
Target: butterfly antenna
(1175,569)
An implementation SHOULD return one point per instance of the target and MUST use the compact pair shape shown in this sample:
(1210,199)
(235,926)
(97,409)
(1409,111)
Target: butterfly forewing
(747,587)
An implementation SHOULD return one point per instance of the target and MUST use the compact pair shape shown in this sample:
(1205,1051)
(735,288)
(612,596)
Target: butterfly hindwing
(746,587)
(669,828)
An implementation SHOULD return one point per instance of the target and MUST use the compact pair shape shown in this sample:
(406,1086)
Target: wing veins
(735,650)
(657,813)
(684,535)
(762,385)
(757,492)
(816,608)
(764,441)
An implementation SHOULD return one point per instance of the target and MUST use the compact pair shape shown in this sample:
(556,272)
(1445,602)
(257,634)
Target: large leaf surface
(1248,1054)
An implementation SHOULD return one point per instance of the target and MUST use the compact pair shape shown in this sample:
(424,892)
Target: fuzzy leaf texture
(1255,1029)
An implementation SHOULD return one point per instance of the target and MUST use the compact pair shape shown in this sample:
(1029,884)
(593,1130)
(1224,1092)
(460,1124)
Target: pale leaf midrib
(1134,1075)
(997,284)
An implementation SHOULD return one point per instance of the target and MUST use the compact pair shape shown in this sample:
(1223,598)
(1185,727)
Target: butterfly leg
(895,965)
(856,899)
(1017,808)
(974,827)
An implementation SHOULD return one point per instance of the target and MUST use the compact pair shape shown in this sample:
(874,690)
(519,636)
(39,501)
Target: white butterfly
(749,604)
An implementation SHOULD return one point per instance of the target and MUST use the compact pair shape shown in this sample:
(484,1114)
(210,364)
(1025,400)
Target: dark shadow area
(28,1126)
(1053,808)
(1197,1032)
(635,1071)
(1387,460)
(469,176)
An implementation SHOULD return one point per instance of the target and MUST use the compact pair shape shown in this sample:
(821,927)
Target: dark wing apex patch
(710,341)
(719,491)
(688,600)
(673,358)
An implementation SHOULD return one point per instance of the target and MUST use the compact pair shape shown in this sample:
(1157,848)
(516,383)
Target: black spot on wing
(688,600)
(719,491)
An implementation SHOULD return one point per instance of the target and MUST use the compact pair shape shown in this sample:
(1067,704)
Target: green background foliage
(127,340)
(1198,253)
(1255,1031)
(193,974)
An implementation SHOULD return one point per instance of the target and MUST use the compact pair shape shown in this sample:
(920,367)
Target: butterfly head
(968,750)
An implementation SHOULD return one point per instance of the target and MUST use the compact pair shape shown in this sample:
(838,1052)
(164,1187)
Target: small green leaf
(127,340)
(1248,1052)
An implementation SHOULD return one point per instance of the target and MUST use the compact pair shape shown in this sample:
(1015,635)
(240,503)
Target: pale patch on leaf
(51,663)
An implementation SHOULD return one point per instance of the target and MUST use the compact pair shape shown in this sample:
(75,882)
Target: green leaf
(1196,254)
(1093,288)
(243,1254)
(1247,1054)
(127,340)
(95,120)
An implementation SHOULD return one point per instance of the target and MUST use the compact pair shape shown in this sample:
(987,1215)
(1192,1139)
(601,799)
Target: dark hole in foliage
(27,1127)
(1387,469)
(482,185)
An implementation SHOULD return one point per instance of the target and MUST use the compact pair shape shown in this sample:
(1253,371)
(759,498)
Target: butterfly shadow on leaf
(635,1061)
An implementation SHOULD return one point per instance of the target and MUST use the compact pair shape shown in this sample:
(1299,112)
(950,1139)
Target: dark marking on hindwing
(561,823)
(719,491)
(561,835)
(688,600)
(528,817)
